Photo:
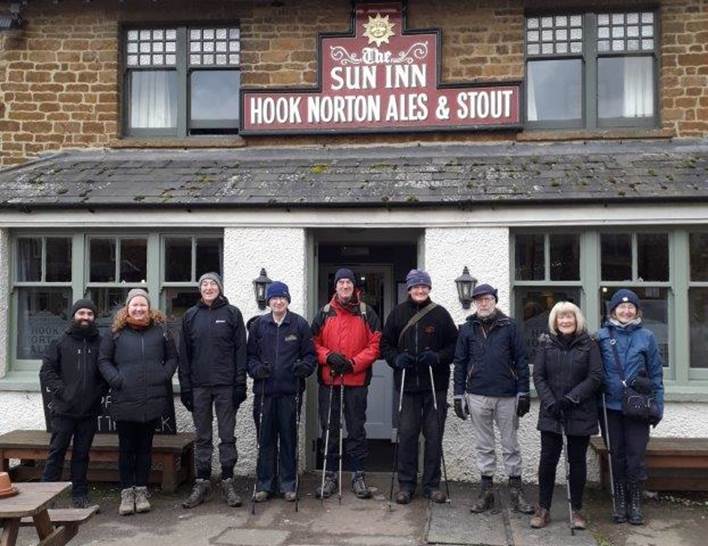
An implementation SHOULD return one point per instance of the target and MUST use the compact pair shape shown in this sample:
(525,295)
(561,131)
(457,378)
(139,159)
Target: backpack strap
(415,319)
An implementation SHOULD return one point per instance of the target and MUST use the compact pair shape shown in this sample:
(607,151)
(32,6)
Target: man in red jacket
(346,334)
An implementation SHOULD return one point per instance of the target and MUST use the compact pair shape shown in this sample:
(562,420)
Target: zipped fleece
(70,372)
(212,346)
(492,363)
(344,330)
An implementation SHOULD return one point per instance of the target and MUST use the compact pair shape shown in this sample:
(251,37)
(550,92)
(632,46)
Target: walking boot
(619,515)
(540,519)
(578,520)
(127,502)
(141,500)
(330,486)
(437,496)
(485,500)
(359,486)
(229,492)
(634,510)
(404,497)
(201,491)
(516,495)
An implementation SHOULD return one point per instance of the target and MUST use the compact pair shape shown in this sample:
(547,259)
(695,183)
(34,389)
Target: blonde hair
(566,307)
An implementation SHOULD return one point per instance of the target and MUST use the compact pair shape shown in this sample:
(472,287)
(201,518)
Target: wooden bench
(673,464)
(70,519)
(172,457)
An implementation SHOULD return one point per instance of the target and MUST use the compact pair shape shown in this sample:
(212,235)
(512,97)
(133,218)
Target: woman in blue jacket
(638,355)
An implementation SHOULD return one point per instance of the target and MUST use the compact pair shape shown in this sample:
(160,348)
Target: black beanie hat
(83,304)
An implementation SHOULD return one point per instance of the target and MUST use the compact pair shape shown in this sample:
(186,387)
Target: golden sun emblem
(379,29)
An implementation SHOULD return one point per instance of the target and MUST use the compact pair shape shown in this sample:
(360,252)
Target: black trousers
(208,403)
(135,452)
(551,448)
(355,446)
(418,415)
(628,439)
(63,429)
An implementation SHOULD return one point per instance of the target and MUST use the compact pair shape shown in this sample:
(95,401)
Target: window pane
(153,99)
(209,256)
(178,259)
(29,259)
(42,315)
(533,305)
(133,260)
(565,257)
(698,320)
(58,259)
(616,257)
(215,95)
(103,260)
(530,261)
(653,256)
(554,90)
(655,313)
(699,256)
(108,301)
(625,87)
(177,301)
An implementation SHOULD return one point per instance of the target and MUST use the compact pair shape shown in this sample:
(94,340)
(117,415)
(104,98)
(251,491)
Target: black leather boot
(635,501)
(620,509)
(485,500)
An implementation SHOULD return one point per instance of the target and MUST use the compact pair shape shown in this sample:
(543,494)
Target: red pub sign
(381,77)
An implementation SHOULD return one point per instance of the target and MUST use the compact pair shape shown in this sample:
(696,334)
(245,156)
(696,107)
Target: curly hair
(121,319)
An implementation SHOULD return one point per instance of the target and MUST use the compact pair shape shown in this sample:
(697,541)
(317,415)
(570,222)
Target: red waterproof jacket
(352,330)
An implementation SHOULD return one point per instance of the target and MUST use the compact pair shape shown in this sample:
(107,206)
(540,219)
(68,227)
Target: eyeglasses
(484,299)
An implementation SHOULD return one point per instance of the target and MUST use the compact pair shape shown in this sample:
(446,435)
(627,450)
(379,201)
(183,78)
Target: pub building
(557,152)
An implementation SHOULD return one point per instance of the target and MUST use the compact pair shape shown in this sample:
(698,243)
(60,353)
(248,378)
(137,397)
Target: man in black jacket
(420,335)
(212,376)
(70,373)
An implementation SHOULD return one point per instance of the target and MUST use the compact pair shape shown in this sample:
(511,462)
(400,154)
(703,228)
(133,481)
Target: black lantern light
(260,285)
(465,285)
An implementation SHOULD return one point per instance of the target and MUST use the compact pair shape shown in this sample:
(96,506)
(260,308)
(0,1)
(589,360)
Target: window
(591,70)
(50,272)
(182,81)
(698,299)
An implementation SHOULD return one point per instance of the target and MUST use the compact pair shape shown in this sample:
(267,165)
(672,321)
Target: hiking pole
(297,447)
(398,435)
(341,419)
(609,453)
(567,473)
(442,451)
(326,446)
(258,447)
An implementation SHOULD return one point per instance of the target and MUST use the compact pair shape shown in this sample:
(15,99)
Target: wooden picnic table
(33,501)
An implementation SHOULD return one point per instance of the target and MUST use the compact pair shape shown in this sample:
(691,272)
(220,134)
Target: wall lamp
(10,17)
(465,286)
(260,285)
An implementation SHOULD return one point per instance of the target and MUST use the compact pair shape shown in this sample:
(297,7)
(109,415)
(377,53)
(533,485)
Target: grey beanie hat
(137,292)
(213,276)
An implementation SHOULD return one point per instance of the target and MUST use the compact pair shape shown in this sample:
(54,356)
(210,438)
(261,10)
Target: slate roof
(388,176)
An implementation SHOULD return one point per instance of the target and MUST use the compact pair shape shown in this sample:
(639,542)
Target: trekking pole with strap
(567,473)
(326,446)
(398,436)
(442,450)
(297,447)
(258,446)
(341,419)
(609,452)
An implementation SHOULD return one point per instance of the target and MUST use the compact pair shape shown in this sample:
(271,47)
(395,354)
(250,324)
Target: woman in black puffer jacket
(137,359)
(567,374)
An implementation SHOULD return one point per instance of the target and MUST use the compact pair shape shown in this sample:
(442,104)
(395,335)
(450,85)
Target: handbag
(638,400)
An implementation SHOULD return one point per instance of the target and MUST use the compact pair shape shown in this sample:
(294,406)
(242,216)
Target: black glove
(428,358)
(553,409)
(348,367)
(239,395)
(337,363)
(187,398)
(565,403)
(460,407)
(654,420)
(523,405)
(404,360)
(300,368)
(262,371)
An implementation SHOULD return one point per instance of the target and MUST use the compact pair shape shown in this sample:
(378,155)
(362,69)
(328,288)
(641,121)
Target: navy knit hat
(212,276)
(483,290)
(417,277)
(344,273)
(623,295)
(83,304)
(277,289)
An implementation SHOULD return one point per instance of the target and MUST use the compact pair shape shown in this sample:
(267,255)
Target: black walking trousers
(355,446)
(63,429)
(628,439)
(135,452)
(551,448)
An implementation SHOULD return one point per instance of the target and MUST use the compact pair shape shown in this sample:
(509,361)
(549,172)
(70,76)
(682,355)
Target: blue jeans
(278,438)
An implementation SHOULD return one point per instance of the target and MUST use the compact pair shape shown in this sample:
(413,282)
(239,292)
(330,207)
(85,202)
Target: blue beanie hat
(483,290)
(277,289)
(344,273)
(623,295)
(417,277)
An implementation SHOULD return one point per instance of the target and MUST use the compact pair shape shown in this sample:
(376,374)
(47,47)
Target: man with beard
(70,373)
(492,386)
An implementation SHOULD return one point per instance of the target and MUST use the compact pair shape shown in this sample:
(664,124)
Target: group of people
(580,381)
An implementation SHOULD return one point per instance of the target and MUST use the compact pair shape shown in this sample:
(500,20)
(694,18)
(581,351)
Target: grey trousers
(206,401)
(485,411)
